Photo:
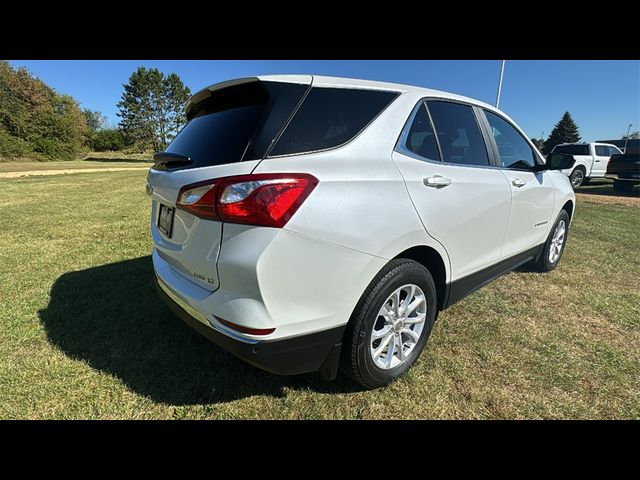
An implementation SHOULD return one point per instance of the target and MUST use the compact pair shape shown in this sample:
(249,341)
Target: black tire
(542,263)
(622,185)
(577,177)
(357,362)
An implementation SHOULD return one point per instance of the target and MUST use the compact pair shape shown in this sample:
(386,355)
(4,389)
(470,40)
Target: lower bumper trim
(290,356)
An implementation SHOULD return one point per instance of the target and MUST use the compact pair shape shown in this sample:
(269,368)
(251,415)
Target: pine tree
(152,107)
(539,143)
(565,131)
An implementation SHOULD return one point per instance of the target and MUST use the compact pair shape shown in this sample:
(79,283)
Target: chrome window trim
(400,148)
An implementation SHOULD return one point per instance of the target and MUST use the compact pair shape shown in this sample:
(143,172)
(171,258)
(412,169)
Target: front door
(532,193)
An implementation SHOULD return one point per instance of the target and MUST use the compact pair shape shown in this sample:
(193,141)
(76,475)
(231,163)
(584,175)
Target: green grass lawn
(83,334)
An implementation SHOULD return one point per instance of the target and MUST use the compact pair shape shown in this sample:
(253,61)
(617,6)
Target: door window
(513,149)
(602,151)
(614,151)
(458,133)
(421,140)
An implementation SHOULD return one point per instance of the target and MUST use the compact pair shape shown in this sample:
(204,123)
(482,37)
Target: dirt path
(60,172)
(619,200)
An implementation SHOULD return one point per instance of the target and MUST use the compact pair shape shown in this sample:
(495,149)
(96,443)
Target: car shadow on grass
(111,317)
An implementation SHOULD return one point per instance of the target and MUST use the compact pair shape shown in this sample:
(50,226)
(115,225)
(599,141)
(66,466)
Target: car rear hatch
(230,128)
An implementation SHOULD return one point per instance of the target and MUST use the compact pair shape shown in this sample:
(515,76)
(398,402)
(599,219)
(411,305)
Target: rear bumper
(629,177)
(318,351)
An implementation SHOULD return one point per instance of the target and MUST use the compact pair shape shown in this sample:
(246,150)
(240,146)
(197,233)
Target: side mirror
(560,161)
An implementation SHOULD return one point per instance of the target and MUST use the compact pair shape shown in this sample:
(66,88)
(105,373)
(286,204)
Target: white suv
(305,223)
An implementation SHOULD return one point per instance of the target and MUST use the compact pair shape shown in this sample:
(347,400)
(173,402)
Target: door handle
(436,181)
(518,182)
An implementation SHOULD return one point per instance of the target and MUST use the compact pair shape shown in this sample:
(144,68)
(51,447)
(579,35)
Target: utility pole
(626,139)
(500,84)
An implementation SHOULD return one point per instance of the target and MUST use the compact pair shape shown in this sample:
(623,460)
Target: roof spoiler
(206,92)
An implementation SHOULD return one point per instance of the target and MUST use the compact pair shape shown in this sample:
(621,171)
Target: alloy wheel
(398,326)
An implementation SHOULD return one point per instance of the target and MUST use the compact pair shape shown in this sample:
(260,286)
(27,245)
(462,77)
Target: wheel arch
(431,259)
(568,207)
(580,166)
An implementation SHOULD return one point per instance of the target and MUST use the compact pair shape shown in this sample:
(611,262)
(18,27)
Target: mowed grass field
(84,335)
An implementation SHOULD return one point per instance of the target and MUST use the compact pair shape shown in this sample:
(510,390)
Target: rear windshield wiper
(164,159)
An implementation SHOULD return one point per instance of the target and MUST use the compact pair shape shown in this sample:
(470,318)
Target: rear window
(572,149)
(236,123)
(330,117)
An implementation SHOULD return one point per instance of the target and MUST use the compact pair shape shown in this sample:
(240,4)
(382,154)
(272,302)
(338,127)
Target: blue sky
(602,96)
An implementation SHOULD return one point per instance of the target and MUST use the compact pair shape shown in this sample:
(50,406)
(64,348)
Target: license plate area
(165,220)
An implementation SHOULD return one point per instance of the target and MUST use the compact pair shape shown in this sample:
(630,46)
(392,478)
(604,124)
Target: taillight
(268,200)
(199,199)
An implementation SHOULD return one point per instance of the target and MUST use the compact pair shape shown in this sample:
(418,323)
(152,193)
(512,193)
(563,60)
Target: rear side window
(330,117)
(236,123)
(513,149)
(421,140)
(458,133)
(572,149)
(602,151)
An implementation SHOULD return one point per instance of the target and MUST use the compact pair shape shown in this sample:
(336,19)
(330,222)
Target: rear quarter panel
(361,200)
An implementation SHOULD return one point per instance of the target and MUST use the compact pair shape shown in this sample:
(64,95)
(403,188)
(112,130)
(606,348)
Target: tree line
(38,122)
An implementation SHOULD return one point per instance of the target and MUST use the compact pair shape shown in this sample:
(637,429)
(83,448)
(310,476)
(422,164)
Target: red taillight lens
(268,200)
(240,328)
(199,199)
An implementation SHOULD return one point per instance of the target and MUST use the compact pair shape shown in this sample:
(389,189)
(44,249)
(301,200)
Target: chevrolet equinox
(308,223)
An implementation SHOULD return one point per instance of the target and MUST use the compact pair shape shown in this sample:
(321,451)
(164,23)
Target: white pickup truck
(591,160)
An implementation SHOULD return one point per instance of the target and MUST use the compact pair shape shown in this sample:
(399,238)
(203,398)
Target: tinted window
(513,149)
(572,149)
(236,123)
(602,151)
(613,151)
(283,98)
(217,138)
(458,133)
(421,140)
(330,117)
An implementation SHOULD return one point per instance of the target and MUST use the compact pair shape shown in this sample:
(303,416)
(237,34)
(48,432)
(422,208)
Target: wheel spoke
(391,351)
(408,298)
(400,348)
(378,351)
(413,305)
(411,333)
(395,299)
(381,333)
(386,314)
(417,319)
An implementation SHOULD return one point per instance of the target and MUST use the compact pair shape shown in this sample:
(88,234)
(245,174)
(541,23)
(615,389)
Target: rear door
(462,200)
(600,160)
(532,193)
(228,133)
